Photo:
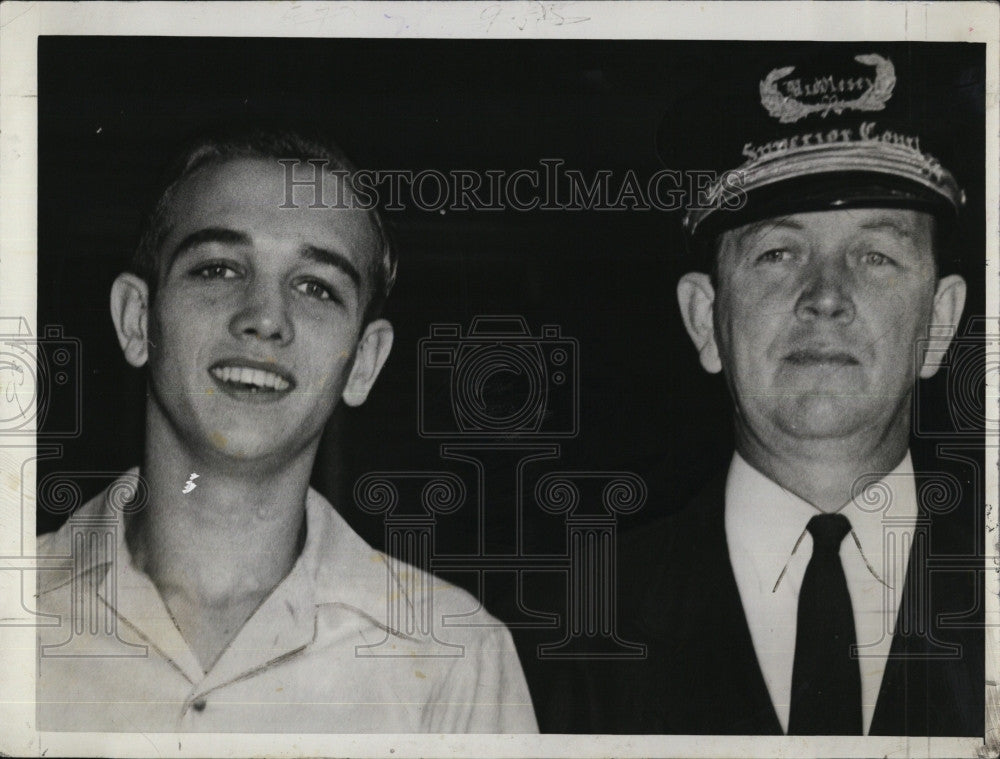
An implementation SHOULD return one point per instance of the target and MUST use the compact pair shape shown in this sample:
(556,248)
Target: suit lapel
(933,679)
(695,625)
(702,675)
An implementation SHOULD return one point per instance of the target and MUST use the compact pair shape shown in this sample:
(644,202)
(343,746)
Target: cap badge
(780,96)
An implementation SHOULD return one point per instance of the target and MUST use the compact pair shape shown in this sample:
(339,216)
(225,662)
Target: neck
(236,534)
(824,472)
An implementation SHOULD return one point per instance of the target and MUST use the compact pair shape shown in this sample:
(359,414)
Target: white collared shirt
(350,641)
(763,524)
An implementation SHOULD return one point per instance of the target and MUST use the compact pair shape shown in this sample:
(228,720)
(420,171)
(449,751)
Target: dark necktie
(826,680)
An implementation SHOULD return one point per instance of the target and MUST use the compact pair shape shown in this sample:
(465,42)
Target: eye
(314,289)
(874,258)
(214,270)
(774,256)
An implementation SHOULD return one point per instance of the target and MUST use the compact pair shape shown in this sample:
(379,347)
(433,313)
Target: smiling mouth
(814,357)
(250,379)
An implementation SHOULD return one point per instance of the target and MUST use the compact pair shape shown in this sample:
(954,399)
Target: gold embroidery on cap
(787,108)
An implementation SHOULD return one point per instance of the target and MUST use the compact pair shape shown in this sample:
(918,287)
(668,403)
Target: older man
(803,591)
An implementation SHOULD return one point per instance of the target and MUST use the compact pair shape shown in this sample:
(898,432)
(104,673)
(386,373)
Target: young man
(242,600)
(828,583)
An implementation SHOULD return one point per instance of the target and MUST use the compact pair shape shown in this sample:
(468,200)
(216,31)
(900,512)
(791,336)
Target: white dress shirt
(324,653)
(769,549)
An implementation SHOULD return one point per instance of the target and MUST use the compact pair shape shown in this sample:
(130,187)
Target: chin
(823,417)
(236,445)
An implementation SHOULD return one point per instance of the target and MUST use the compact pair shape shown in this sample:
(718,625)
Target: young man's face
(816,317)
(256,321)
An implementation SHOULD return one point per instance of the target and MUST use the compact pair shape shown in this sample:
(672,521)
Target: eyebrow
(227,236)
(767,225)
(884,222)
(334,259)
(205,236)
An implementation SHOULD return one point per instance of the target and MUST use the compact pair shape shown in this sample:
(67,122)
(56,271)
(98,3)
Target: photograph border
(22,23)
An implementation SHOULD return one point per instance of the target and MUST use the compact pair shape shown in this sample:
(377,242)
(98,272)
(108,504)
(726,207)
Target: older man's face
(817,317)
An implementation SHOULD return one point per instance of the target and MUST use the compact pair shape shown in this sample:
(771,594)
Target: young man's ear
(129,306)
(949,301)
(695,295)
(369,357)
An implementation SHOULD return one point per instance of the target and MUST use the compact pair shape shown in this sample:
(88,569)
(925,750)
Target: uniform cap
(817,127)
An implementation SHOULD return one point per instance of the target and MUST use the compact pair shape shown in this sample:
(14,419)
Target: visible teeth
(256,378)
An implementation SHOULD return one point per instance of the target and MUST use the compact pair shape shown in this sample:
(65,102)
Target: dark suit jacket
(679,597)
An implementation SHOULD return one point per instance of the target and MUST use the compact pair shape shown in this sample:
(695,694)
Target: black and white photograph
(499,379)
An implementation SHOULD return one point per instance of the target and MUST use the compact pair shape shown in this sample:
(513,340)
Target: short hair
(257,142)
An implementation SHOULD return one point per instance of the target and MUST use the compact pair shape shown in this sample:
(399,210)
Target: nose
(828,294)
(263,316)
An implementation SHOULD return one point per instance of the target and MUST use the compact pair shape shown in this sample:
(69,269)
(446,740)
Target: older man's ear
(949,302)
(695,295)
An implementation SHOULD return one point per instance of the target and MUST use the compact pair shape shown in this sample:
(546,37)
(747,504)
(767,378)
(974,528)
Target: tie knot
(828,530)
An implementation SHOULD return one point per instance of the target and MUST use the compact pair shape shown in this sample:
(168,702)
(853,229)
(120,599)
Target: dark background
(112,110)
